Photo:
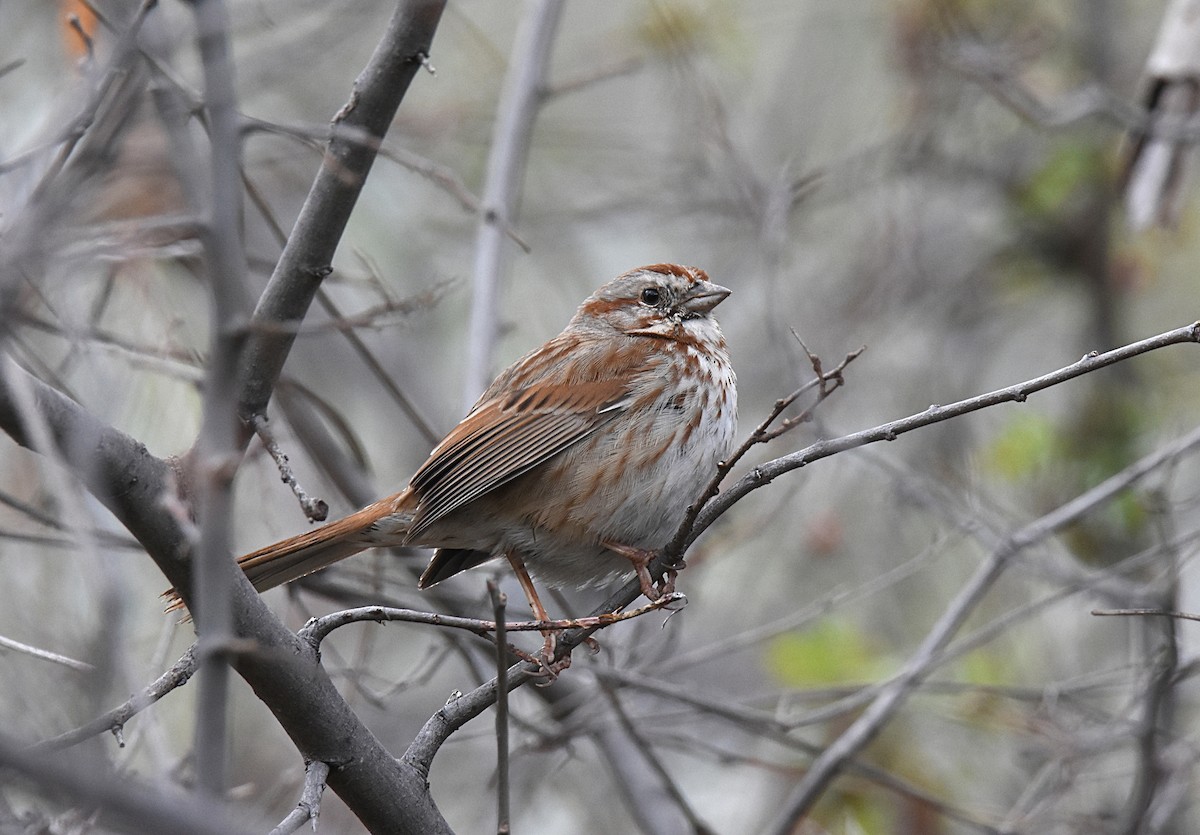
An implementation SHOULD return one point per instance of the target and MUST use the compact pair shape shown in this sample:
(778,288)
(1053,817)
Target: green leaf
(833,652)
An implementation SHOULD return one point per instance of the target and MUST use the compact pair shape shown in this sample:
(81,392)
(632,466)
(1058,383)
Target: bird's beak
(703,297)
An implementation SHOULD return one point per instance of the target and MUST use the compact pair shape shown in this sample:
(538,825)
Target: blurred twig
(128,804)
(45,655)
(216,454)
(520,101)
(499,601)
(831,761)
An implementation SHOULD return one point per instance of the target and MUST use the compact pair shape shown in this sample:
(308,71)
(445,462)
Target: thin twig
(673,791)
(1162,613)
(292,327)
(764,474)
(499,601)
(311,136)
(825,383)
(45,655)
(825,767)
(308,808)
(306,259)
(315,509)
(317,629)
(115,719)
(461,710)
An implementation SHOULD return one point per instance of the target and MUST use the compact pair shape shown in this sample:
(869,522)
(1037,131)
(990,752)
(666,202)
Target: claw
(641,558)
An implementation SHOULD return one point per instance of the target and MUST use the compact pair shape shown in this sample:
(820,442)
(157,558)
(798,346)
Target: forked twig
(825,382)
(308,808)
(114,720)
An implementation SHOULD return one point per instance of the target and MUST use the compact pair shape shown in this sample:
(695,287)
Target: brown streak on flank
(692,426)
(597,480)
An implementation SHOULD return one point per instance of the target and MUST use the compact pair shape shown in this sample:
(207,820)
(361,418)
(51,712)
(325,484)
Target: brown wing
(507,436)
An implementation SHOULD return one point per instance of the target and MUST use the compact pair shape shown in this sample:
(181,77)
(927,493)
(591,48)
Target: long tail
(293,558)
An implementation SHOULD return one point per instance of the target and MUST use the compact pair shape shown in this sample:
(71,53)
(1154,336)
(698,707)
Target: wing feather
(505,437)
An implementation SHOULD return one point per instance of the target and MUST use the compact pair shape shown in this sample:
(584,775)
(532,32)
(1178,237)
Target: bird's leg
(640,557)
(539,613)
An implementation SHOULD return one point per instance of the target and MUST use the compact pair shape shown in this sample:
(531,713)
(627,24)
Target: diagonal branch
(768,472)
(890,698)
(309,252)
(282,669)
(115,719)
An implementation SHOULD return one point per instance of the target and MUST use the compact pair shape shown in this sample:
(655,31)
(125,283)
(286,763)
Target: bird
(579,461)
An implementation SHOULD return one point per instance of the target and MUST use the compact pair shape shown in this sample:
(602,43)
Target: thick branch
(283,670)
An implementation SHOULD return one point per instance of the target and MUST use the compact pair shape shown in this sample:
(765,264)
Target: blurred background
(941,181)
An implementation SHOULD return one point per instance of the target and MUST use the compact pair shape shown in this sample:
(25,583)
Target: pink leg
(641,558)
(535,605)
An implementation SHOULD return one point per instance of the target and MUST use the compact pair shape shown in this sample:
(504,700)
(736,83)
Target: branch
(891,696)
(216,454)
(768,472)
(309,806)
(317,629)
(315,509)
(464,708)
(283,671)
(519,103)
(499,601)
(126,803)
(826,382)
(115,719)
(45,655)
(309,252)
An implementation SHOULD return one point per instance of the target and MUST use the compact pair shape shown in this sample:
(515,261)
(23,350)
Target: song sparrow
(578,461)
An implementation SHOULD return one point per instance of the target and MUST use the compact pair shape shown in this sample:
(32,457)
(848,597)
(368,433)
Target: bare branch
(499,601)
(128,804)
(216,453)
(317,629)
(306,259)
(1156,613)
(114,720)
(890,431)
(45,655)
(315,509)
(520,101)
(309,806)
(826,767)
(825,383)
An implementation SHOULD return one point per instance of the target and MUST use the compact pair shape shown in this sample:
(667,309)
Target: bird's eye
(650,296)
